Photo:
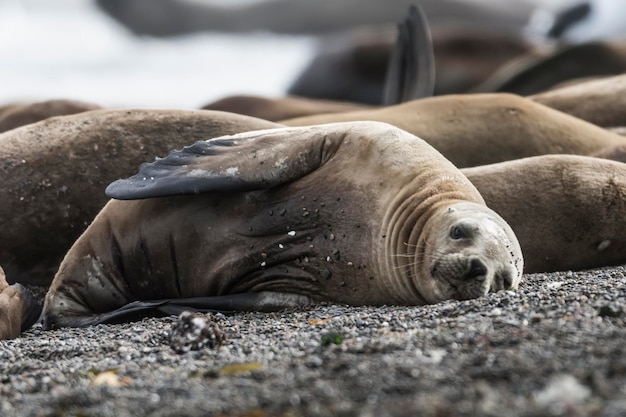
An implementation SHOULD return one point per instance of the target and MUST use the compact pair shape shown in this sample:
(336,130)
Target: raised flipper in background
(411,70)
(568,17)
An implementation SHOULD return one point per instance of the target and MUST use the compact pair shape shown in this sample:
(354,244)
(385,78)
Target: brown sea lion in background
(568,211)
(352,66)
(377,72)
(20,114)
(615,153)
(409,76)
(54,173)
(269,219)
(600,101)
(18,309)
(465,56)
(480,129)
(536,73)
(274,109)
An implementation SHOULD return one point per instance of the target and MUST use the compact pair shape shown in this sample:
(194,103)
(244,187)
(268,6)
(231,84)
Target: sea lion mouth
(463,277)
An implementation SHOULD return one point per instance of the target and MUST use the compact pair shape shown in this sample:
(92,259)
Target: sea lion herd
(255,203)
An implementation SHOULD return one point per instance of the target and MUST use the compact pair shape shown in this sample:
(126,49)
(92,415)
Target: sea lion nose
(477,270)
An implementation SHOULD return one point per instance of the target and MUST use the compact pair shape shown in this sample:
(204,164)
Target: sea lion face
(473,252)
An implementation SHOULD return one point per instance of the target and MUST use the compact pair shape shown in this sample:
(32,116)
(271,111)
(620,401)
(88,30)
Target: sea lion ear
(243,162)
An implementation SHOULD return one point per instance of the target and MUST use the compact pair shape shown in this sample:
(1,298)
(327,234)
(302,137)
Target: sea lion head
(469,251)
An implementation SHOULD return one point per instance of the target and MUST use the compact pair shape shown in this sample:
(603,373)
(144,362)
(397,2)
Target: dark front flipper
(245,162)
(411,69)
(19,310)
(255,301)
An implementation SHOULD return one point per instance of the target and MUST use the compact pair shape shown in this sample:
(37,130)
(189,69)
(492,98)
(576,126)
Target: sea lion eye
(457,232)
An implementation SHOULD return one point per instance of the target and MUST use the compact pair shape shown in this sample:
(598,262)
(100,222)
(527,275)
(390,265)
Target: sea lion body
(615,153)
(356,213)
(601,101)
(54,173)
(20,114)
(18,308)
(481,129)
(541,70)
(274,109)
(568,211)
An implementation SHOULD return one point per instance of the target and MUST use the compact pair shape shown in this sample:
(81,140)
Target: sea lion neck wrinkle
(404,224)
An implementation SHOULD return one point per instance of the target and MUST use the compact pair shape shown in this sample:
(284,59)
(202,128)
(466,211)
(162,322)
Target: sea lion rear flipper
(265,302)
(19,310)
(244,162)
(253,301)
(411,69)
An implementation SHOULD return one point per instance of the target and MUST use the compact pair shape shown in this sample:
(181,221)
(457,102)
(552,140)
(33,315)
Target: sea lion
(280,108)
(352,66)
(374,72)
(615,153)
(580,21)
(568,211)
(54,172)
(538,71)
(600,101)
(18,308)
(360,213)
(480,129)
(20,114)
(409,76)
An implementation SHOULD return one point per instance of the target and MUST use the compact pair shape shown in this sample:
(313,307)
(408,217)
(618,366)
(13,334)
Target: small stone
(193,331)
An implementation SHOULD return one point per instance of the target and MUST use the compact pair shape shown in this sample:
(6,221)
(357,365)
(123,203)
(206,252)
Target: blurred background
(186,53)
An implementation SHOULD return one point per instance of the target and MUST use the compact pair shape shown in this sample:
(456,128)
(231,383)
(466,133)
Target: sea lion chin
(357,213)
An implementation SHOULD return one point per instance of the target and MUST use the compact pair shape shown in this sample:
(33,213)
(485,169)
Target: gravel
(554,347)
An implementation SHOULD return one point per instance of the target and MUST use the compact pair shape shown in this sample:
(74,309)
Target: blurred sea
(69,49)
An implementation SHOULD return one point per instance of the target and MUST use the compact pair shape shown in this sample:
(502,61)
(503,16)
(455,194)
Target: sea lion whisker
(403,255)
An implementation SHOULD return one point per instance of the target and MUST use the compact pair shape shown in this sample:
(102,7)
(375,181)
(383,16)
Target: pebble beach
(554,347)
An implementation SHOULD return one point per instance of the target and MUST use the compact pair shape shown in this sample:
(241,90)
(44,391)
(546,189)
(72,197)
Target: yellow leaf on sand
(319,321)
(237,368)
(110,379)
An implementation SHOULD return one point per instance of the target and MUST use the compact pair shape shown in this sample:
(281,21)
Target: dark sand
(554,347)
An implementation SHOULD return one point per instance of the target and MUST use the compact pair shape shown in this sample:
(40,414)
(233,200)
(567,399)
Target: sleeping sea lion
(615,153)
(568,211)
(360,213)
(20,114)
(538,72)
(54,172)
(601,101)
(409,76)
(18,308)
(274,109)
(481,129)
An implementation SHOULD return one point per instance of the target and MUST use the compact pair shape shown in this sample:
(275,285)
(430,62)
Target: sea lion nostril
(477,269)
